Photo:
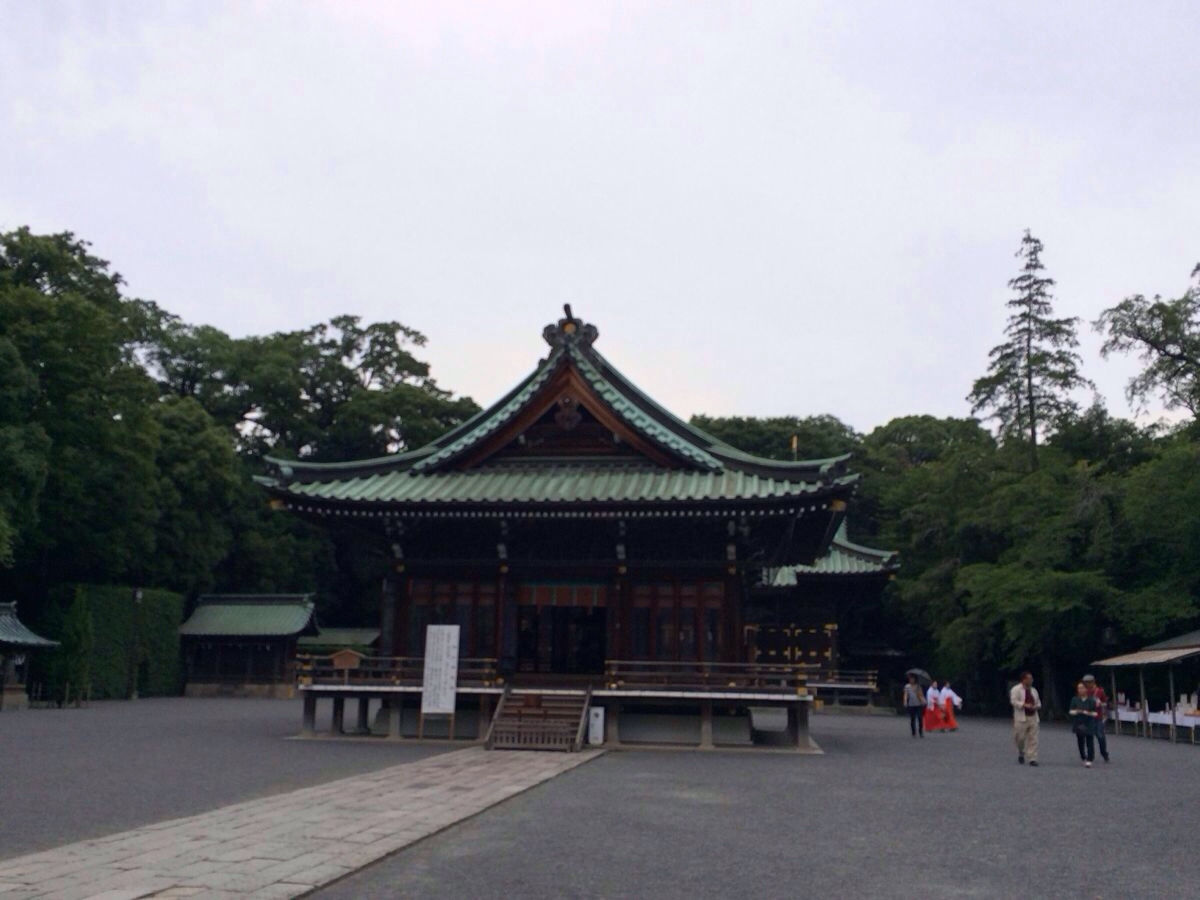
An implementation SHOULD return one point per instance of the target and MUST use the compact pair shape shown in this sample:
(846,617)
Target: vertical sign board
(440,681)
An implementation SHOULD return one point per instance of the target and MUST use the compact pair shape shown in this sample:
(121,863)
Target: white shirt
(933,696)
(948,694)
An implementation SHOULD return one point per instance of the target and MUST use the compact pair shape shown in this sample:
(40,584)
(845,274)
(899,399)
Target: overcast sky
(766,208)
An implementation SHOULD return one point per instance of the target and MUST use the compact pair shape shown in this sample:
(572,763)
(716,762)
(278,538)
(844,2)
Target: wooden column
(622,611)
(362,724)
(1113,700)
(612,725)
(308,726)
(798,724)
(733,616)
(339,715)
(621,604)
(387,618)
(1145,708)
(506,602)
(395,715)
(1171,684)
(485,716)
(706,725)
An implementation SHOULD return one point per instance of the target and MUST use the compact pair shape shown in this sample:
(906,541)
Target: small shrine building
(16,643)
(245,644)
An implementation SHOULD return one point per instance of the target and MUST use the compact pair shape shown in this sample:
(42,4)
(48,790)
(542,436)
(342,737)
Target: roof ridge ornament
(570,331)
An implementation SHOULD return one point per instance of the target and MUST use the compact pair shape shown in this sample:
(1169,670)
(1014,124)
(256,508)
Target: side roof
(1179,642)
(14,633)
(251,615)
(341,637)
(668,443)
(844,558)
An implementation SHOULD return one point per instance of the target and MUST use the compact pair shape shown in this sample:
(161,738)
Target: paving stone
(285,845)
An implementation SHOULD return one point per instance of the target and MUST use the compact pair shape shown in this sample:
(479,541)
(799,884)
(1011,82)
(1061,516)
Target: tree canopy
(1165,334)
(1031,374)
(128,437)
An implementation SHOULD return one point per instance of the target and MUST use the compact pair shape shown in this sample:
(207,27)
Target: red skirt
(951,722)
(933,719)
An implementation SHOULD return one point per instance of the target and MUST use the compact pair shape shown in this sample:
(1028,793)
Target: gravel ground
(67,775)
(879,815)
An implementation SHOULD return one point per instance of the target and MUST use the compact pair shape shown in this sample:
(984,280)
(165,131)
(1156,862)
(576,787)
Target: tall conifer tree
(1032,374)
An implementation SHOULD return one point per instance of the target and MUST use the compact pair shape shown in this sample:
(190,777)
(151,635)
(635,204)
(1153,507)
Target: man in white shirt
(1025,703)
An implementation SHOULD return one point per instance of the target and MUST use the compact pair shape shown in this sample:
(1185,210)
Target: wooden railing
(682,676)
(366,671)
(863,679)
(784,678)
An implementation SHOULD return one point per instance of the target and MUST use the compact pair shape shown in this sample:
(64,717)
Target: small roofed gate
(575,521)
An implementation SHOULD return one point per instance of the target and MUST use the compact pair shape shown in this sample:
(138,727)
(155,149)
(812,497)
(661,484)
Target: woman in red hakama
(950,700)
(933,709)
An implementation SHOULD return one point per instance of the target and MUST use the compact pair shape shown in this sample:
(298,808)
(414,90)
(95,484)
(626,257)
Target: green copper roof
(843,558)
(341,637)
(701,468)
(250,615)
(554,483)
(15,634)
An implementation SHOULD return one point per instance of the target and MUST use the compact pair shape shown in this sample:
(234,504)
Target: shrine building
(586,542)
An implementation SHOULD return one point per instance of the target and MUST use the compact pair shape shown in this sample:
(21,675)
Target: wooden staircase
(531,719)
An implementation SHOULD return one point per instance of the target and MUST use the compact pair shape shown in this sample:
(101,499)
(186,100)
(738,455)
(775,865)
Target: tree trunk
(1049,688)
(1029,402)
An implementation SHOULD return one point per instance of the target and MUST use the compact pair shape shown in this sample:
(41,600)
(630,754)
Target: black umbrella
(923,677)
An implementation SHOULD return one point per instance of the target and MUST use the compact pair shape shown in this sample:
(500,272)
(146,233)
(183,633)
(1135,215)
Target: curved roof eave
(710,443)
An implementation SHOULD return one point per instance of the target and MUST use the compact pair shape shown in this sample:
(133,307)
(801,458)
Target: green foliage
(1158,560)
(817,437)
(109,639)
(199,480)
(128,438)
(339,390)
(73,665)
(24,450)
(81,424)
(1031,375)
(1166,336)
(159,672)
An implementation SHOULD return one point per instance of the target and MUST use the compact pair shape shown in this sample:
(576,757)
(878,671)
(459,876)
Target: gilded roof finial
(570,330)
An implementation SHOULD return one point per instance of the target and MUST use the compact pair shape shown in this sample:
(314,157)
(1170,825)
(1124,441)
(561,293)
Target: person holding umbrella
(914,701)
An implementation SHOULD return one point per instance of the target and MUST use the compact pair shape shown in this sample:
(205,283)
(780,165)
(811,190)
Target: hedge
(117,622)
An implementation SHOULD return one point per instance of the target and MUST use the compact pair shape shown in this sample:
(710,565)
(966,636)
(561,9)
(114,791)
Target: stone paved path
(285,845)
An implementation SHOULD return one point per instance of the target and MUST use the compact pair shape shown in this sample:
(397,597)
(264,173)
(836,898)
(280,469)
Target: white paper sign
(440,681)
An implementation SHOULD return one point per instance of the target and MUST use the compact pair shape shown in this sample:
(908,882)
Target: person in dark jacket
(1101,713)
(1083,723)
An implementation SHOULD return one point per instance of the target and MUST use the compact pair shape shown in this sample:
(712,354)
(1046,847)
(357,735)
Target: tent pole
(1171,682)
(1145,712)
(1112,701)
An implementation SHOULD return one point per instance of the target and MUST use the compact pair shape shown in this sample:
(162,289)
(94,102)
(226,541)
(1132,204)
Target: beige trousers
(1025,735)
